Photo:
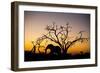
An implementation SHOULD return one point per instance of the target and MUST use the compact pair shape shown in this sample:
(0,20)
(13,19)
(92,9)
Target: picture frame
(30,20)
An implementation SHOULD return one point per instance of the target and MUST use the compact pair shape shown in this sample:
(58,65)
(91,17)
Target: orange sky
(35,23)
(77,48)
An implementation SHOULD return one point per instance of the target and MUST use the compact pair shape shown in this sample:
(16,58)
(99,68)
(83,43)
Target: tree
(60,36)
(33,48)
(37,45)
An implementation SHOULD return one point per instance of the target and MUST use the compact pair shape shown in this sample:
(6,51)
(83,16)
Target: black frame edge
(14,36)
(55,4)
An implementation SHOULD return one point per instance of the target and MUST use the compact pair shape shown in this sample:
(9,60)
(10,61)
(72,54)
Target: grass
(29,56)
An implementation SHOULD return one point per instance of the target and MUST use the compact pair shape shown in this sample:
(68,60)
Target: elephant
(54,50)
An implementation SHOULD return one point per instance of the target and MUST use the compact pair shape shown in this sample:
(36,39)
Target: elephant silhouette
(54,50)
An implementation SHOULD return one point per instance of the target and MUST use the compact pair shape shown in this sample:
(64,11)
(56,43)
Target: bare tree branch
(60,35)
(74,41)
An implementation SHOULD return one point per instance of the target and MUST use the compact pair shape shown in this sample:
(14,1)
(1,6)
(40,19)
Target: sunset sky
(35,23)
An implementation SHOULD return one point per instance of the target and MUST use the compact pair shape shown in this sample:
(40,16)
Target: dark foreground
(28,56)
